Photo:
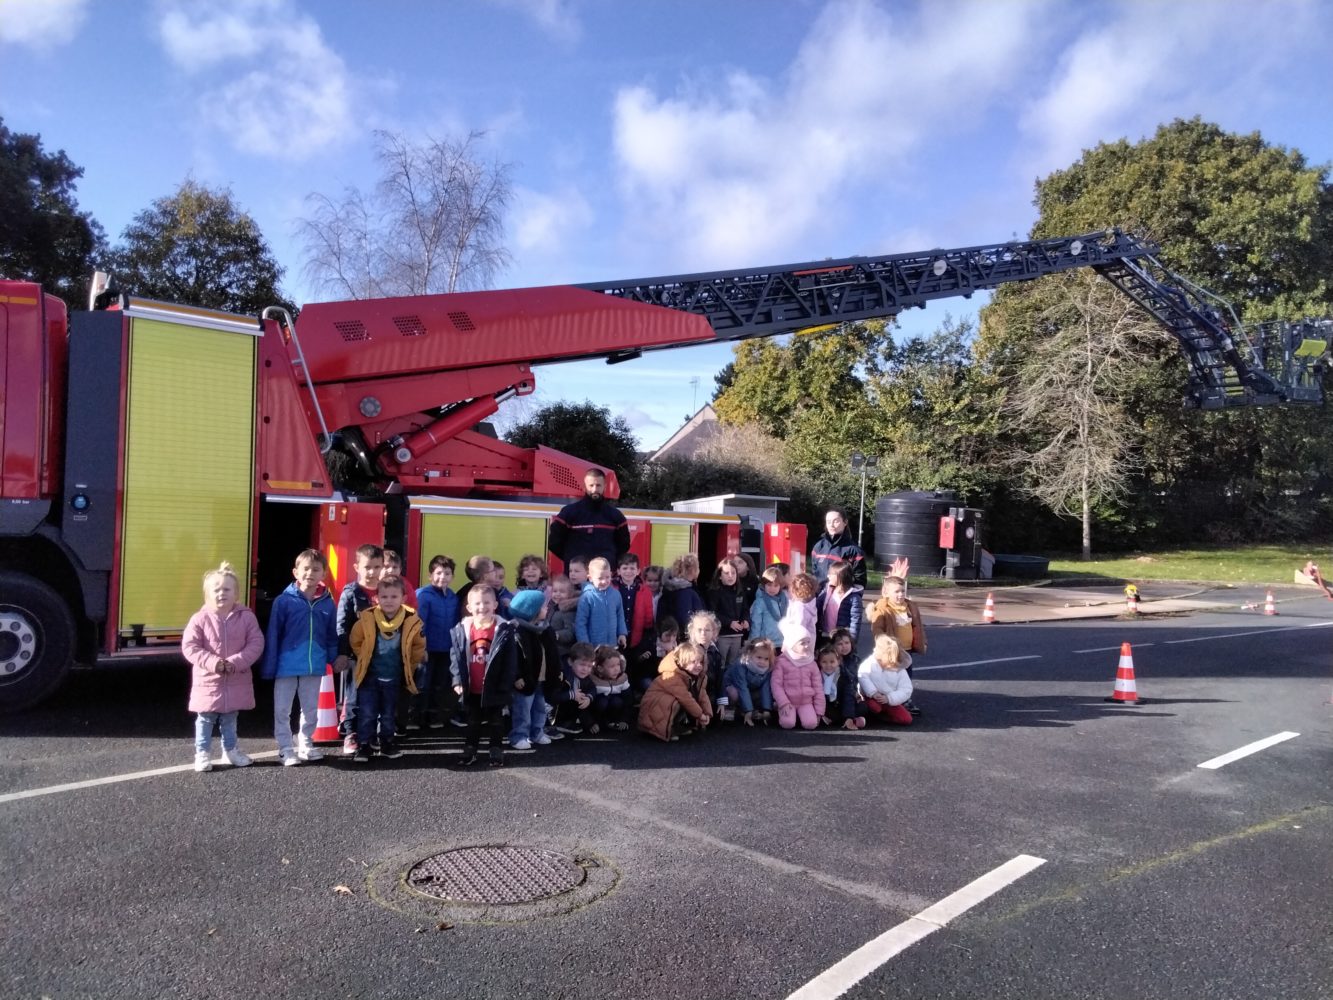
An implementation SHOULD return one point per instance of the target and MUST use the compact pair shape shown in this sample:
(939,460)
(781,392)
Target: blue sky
(653,138)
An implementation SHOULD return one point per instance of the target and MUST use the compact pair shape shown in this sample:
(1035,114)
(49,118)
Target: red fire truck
(142,442)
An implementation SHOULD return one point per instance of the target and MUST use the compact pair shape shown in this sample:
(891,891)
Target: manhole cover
(495,875)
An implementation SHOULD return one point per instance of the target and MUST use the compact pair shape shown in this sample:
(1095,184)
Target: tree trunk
(1087,520)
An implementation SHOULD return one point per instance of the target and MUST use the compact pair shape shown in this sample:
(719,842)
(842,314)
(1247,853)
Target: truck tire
(36,641)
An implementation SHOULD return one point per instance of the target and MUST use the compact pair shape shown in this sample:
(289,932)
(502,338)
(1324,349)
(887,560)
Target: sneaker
(235,758)
(289,758)
(458,720)
(728,714)
(541,739)
(912,707)
(554,734)
(310,754)
(572,728)
(435,724)
(362,756)
(349,744)
(522,743)
(412,726)
(391,751)
(469,756)
(202,761)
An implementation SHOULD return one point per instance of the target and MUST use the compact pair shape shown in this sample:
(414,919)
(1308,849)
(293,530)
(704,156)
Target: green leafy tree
(1250,221)
(587,431)
(198,246)
(44,237)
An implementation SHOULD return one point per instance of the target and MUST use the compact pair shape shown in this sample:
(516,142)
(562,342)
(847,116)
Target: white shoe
(289,758)
(542,740)
(235,758)
(310,754)
(521,744)
(202,761)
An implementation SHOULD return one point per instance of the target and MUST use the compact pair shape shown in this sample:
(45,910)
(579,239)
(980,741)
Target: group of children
(579,653)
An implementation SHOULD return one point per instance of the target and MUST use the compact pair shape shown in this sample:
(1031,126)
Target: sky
(654,137)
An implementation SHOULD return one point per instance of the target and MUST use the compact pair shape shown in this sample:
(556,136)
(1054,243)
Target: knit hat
(526,604)
(792,633)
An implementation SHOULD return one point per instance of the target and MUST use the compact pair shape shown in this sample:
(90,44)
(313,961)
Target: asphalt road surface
(1100,859)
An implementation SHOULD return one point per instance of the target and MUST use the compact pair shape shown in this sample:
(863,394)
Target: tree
(586,430)
(44,237)
(199,247)
(435,223)
(1248,220)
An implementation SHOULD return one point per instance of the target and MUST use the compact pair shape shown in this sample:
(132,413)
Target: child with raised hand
(885,682)
(484,665)
(677,702)
(390,649)
(769,607)
(840,690)
(600,618)
(747,682)
(726,600)
(801,602)
(798,689)
(896,615)
(613,700)
(221,642)
(302,640)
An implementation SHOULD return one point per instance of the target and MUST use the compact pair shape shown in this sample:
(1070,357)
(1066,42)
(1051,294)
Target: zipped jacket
(302,636)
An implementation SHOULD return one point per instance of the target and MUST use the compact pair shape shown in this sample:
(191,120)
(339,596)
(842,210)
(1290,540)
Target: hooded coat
(796,682)
(222,649)
(673,691)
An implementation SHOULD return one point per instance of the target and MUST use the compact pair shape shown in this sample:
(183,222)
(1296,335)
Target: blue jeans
(376,702)
(529,716)
(203,730)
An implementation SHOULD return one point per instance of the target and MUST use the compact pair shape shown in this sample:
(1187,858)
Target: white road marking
(977,663)
(1258,631)
(902,901)
(1107,649)
(1246,750)
(841,977)
(115,779)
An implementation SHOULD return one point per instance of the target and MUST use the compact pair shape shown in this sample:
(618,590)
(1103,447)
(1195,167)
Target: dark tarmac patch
(489,883)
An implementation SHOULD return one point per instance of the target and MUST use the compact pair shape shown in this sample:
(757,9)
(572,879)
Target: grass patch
(1261,564)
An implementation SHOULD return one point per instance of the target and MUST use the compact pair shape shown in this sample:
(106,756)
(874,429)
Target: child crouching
(840,688)
(885,682)
(613,701)
(798,690)
(677,701)
(747,682)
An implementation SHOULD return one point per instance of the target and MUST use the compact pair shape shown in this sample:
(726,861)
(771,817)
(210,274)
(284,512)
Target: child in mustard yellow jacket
(390,648)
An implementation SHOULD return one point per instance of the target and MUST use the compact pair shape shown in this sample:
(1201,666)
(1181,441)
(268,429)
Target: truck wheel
(36,641)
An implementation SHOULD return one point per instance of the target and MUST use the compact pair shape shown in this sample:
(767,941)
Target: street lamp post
(864,465)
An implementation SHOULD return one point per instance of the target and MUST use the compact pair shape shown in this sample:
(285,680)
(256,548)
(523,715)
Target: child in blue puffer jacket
(302,641)
(746,682)
(769,607)
(600,618)
(438,608)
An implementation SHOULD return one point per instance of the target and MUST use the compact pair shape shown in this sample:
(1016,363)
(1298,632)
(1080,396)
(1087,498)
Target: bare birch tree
(435,223)
(1067,400)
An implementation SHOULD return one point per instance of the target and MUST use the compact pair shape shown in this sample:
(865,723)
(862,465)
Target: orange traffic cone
(988,616)
(326,725)
(1124,678)
(1269,607)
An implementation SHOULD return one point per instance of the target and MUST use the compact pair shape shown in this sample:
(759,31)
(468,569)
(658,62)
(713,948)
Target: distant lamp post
(864,465)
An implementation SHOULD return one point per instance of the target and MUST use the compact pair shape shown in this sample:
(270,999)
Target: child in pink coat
(798,688)
(221,642)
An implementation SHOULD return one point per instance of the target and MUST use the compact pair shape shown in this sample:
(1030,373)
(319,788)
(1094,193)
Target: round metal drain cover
(495,875)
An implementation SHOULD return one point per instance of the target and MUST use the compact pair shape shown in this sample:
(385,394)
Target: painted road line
(1246,750)
(115,779)
(1109,649)
(977,663)
(1258,631)
(841,977)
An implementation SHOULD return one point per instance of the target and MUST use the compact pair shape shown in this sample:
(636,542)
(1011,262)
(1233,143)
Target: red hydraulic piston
(441,430)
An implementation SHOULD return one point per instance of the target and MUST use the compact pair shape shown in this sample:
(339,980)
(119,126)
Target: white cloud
(545,223)
(555,17)
(753,168)
(41,24)
(1146,64)
(268,80)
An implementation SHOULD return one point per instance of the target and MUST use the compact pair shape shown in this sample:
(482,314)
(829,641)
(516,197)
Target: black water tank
(908,524)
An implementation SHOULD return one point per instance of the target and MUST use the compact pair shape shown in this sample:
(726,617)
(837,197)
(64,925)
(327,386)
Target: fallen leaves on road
(343,890)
